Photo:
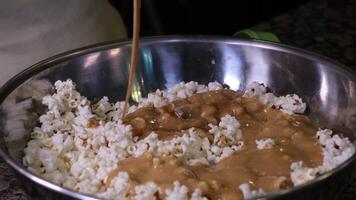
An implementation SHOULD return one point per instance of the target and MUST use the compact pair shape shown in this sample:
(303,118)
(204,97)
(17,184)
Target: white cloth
(33,30)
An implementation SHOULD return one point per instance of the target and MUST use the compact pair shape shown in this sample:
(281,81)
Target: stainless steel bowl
(328,88)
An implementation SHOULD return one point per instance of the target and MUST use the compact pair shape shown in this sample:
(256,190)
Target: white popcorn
(148,144)
(182,90)
(289,104)
(121,183)
(265,143)
(179,91)
(255,90)
(65,143)
(57,140)
(53,121)
(250,194)
(84,155)
(178,192)
(231,126)
(146,192)
(70,182)
(38,133)
(117,111)
(83,115)
(87,186)
(119,189)
(212,86)
(197,195)
(226,139)
(301,174)
(190,147)
(116,132)
(335,150)
(64,150)
(215,154)
(102,107)
(48,159)
(65,97)
(228,130)
(267,99)
(157,99)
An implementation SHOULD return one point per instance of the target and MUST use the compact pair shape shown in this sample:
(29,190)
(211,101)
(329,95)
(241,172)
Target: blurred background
(327,27)
(201,16)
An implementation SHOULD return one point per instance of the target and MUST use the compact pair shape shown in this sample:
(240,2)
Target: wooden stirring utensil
(134,51)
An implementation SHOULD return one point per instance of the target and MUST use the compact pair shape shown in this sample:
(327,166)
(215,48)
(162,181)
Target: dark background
(223,17)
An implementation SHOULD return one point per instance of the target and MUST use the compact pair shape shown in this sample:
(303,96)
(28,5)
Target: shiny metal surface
(326,86)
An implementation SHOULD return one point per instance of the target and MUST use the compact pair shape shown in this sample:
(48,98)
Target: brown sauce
(268,169)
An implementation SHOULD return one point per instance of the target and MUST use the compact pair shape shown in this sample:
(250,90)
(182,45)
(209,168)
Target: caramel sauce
(268,169)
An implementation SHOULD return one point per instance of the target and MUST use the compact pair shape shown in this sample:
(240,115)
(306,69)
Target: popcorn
(212,86)
(56,177)
(79,144)
(265,143)
(197,195)
(190,147)
(85,142)
(267,99)
(146,192)
(179,91)
(336,150)
(85,154)
(121,183)
(83,115)
(65,145)
(228,130)
(117,111)
(300,174)
(250,194)
(183,90)
(102,107)
(148,144)
(255,90)
(289,104)
(157,99)
(179,192)
(63,100)
(226,138)
(48,159)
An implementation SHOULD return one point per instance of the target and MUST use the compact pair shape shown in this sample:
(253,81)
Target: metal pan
(328,88)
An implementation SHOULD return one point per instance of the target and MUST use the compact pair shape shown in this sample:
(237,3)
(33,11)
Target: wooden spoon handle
(134,51)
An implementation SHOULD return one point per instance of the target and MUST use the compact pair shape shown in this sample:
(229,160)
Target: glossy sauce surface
(269,169)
